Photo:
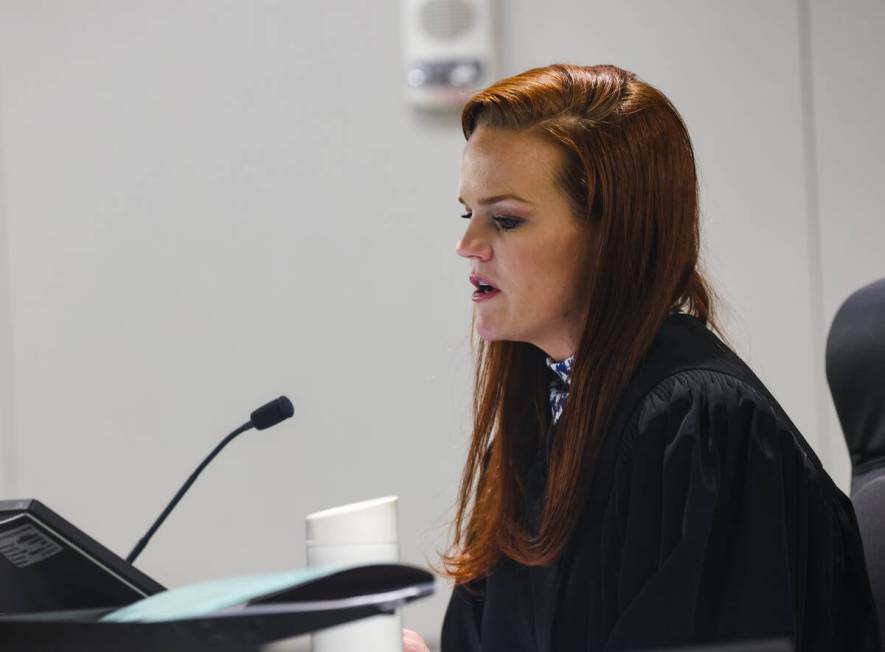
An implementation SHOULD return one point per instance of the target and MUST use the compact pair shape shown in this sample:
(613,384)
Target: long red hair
(629,171)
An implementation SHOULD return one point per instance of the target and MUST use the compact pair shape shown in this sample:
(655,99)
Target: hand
(413,643)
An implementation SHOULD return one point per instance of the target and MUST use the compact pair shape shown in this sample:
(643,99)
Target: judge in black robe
(708,519)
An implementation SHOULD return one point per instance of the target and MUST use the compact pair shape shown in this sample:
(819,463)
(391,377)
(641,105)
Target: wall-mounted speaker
(448,50)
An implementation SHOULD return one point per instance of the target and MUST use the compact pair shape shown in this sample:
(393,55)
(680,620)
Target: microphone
(268,415)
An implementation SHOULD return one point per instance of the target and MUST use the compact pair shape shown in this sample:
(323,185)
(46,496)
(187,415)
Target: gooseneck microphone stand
(266,416)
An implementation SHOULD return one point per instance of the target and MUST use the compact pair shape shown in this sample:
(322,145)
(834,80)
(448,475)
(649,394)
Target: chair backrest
(856,373)
(868,496)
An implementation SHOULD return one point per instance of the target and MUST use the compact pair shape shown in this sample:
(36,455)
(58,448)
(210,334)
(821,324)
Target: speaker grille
(446,19)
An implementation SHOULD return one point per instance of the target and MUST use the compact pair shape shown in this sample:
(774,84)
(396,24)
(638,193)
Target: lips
(485,290)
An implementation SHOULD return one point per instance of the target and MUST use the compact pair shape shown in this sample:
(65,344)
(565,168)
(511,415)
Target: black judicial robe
(709,518)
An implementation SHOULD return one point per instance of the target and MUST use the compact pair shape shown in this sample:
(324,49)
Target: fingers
(412,642)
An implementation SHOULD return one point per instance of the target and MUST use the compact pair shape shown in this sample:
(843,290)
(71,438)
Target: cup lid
(368,521)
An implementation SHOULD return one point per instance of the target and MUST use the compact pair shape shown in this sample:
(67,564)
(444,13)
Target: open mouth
(484,289)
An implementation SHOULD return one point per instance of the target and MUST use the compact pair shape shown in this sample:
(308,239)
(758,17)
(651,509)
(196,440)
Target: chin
(487,331)
(487,334)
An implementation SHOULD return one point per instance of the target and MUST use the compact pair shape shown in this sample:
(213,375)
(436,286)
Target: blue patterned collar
(562,369)
(560,386)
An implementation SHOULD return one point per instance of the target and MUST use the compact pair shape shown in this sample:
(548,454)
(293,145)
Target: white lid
(369,521)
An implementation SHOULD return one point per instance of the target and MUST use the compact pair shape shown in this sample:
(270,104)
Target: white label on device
(26,545)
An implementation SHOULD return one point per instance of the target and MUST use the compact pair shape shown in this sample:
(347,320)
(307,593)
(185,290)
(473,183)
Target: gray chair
(856,374)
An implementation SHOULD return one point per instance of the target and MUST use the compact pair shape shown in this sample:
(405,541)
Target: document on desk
(203,598)
(274,592)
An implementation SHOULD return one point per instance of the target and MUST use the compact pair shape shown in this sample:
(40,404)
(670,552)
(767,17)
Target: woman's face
(527,250)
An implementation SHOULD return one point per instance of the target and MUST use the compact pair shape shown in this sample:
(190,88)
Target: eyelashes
(504,223)
(507,223)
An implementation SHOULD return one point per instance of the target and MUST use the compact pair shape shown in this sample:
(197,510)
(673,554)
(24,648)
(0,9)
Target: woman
(630,483)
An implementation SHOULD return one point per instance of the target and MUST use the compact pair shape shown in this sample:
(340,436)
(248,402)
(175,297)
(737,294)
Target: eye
(467,215)
(507,223)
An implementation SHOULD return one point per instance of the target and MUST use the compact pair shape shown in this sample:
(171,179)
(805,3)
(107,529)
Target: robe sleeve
(461,625)
(722,527)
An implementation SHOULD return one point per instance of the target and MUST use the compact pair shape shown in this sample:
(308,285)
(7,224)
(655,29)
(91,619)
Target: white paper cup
(360,533)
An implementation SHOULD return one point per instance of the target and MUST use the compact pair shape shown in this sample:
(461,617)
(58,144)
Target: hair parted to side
(629,172)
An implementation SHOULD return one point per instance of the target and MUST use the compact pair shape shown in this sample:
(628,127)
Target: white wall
(849,97)
(210,203)
(8,457)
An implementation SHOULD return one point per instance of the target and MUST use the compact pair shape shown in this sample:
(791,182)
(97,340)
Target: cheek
(547,286)
(547,278)
(566,287)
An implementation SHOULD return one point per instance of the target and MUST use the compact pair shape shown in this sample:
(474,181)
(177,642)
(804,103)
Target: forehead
(499,161)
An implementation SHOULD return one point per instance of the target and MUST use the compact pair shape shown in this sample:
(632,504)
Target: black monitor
(48,564)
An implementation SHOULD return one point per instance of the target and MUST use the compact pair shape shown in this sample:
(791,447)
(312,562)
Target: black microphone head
(270,414)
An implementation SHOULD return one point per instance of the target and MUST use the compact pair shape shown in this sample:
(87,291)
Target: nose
(473,245)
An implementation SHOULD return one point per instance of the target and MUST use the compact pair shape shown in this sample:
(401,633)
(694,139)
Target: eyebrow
(497,198)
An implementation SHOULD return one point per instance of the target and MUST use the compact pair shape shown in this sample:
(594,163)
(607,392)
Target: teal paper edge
(204,598)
